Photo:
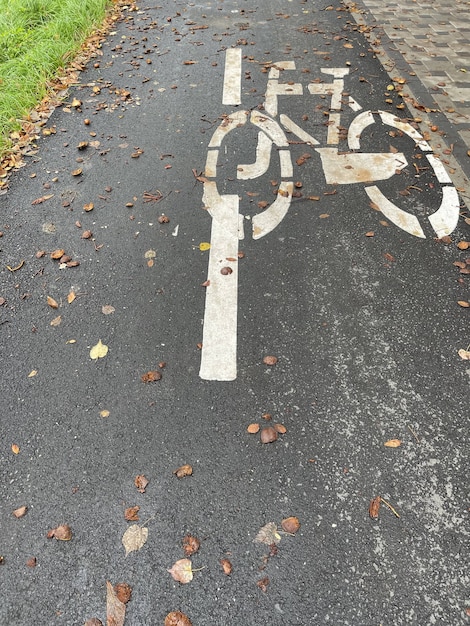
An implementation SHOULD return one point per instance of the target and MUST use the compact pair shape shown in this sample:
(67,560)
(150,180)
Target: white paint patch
(357,167)
(407,222)
(445,219)
(232,77)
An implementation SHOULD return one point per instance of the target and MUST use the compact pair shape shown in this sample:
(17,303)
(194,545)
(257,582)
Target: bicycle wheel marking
(231,94)
(219,350)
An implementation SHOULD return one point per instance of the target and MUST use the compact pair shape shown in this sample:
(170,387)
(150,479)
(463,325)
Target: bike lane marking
(232,77)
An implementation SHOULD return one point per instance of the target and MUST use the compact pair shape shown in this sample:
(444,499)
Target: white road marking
(445,219)
(263,158)
(407,222)
(297,131)
(265,222)
(232,77)
(230,122)
(359,167)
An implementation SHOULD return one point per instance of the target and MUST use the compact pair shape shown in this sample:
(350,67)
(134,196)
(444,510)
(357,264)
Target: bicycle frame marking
(219,350)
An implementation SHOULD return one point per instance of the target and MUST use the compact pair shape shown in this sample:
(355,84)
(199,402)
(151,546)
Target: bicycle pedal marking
(219,349)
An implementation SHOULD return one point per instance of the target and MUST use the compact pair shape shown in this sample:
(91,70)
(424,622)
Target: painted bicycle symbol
(219,351)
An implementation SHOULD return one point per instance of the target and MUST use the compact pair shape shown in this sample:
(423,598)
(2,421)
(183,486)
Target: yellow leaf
(104,413)
(89,207)
(32,373)
(150,254)
(52,303)
(71,297)
(71,341)
(392,443)
(390,88)
(15,448)
(204,246)
(99,351)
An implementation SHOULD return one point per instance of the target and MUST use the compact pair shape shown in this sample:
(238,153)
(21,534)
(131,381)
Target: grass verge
(37,38)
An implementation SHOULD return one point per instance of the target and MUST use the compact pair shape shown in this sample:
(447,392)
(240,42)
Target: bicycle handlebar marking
(219,350)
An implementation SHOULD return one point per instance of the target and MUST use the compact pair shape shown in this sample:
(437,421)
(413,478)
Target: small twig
(413,432)
(199,569)
(390,507)
(153,197)
(18,267)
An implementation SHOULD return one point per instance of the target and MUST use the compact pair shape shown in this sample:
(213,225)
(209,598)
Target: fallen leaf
(463,303)
(104,413)
(42,199)
(464,354)
(77,172)
(141,483)
(182,571)
(20,512)
(88,207)
(374,507)
(63,532)
(389,257)
(123,592)
(150,377)
(131,514)
(150,254)
(134,538)
(32,373)
(268,434)
(191,545)
(176,618)
(253,428)
(463,245)
(263,584)
(268,534)
(324,216)
(99,351)
(370,233)
(115,609)
(15,448)
(290,525)
(52,303)
(270,360)
(204,246)
(56,321)
(71,297)
(393,443)
(184,470)
(227,567)
(280,428)
(87,234)
(107,309)
(31,562)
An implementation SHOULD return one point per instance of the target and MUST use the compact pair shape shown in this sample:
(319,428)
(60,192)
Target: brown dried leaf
(176,618)
(268,434)
(131,514)
(71,297)
(463,245)
(20,512)
(57,254)
(389,257)
(150,377)
(88,207)
(184,470)
(56,321)
(123,592)
(182,571)
(87,234)
(31,562)
(280,428)
(463,303)
(374,507)
(141,483)
(52,303)
(263,584)
(63,532)
(226,566)
(226,271)
(115,609)
(393,443)
(107,309)
(464,354)
(77,172)
(270,360)
(290,525)
(253,428)
(191,545)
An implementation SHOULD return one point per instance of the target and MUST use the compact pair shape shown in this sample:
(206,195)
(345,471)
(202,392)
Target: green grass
(36,39)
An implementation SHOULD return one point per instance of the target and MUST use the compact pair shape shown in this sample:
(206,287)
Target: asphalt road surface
(307,218)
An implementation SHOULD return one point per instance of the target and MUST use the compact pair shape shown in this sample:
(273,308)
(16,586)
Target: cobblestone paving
(430,39)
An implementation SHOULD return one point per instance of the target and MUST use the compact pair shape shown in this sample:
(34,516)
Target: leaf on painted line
(182,571)
(134,538)
(99,351)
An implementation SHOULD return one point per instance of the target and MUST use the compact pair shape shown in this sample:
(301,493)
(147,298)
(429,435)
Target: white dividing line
(232,77)
(219,339)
